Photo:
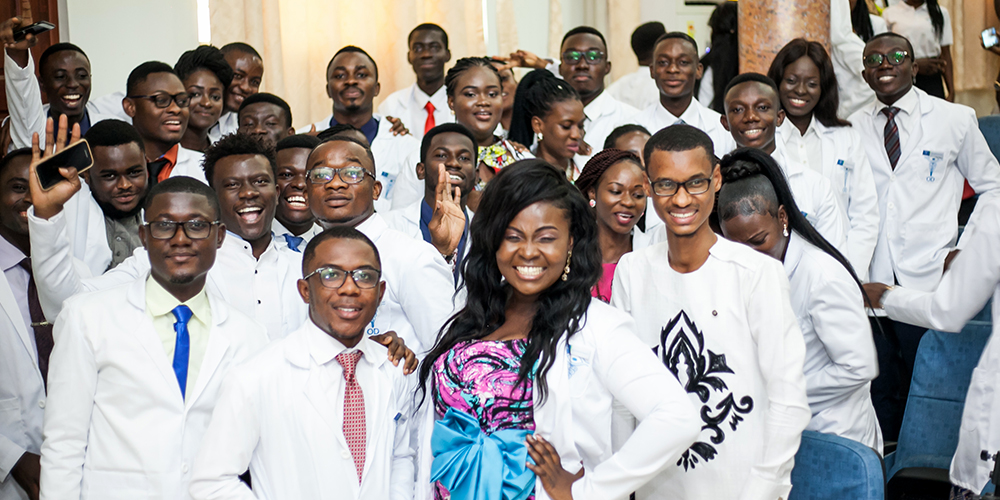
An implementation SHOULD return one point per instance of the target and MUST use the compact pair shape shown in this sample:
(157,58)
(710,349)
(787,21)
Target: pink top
(603,289)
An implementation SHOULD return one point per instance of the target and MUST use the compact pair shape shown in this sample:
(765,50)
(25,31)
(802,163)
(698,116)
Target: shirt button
(255,271)
(41,403)
(891,206)
(119,238)
(184,468)
(258,302)
(892,177)
(346,454)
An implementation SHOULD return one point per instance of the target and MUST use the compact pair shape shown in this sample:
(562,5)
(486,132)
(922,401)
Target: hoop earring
(539,137)
(784,231)
(593,203)
(569,256)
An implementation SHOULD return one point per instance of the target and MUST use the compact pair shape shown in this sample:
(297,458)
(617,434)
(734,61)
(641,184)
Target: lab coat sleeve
(846,54)
(229,442)
(58,275)
(965,287)
(781,353)
(839,319)
(24,102)
(72,384)
(10,453)
(403,455)
(425,294)
(862,211)
(668,422)
(978,165)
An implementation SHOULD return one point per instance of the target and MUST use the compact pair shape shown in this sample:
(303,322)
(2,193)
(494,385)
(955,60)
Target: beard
(113,213)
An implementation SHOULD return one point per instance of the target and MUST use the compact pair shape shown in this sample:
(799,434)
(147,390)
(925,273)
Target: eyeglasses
(895,58)
(350,175)
(574,56)
(331,277)
(666,187)
(162,100)
(194,229)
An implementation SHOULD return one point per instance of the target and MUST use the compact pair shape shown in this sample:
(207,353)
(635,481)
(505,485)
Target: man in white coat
(423,105)
(137,368)
(320,414)
(921,148)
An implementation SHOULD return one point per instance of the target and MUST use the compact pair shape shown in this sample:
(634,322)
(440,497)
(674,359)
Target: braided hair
(599,164)
(461,66)
(536,94)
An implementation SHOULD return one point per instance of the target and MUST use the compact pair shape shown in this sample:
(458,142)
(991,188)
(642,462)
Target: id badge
(933,162)
(847,167)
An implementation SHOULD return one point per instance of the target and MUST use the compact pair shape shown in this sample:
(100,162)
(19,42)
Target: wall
(118,35)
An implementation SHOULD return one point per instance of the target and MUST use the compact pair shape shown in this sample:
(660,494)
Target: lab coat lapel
(218,345)
(925,106)
(145,334)
(9,306)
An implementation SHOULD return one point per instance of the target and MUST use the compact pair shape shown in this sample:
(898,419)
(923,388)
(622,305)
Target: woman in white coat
(756,208)
(974,277)
(814,136)
(531,365)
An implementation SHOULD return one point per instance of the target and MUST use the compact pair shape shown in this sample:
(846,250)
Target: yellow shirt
(159,304)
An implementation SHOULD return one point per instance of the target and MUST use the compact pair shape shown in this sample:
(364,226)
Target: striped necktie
(891,135)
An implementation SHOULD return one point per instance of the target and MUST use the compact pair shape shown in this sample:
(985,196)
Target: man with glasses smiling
(920,148)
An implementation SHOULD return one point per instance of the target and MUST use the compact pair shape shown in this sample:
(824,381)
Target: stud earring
(784,231)
(569,257)
(593,203)
(539,137)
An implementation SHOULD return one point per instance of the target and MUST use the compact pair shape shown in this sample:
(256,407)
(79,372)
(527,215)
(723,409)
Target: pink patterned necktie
(354,410)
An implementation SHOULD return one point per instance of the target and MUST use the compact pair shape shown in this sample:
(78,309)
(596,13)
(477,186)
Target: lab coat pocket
(11,424)
(115,485)
(580,370)
(979,400)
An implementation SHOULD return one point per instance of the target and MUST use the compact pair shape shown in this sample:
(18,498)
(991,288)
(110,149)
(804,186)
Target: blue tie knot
(183,314)
(294,242)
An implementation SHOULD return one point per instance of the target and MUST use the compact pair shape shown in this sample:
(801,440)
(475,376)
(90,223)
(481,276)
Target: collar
(160,302)
(370,129)
(793,252)
(691,115)
(235,243)
(602,105)
(907,104)
(170,156)
(781,157)
(10,255)
(324,349)
(373,227)
(439,98)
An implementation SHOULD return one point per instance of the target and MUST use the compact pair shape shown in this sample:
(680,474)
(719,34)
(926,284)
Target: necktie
(891,135)
(182,345)
(42,328)
(294,241)
(155,168)
(680,122)
(429,124)
(354,410)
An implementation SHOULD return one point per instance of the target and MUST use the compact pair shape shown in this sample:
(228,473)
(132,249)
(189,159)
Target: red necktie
(354,410)
(429,124)
(42,328)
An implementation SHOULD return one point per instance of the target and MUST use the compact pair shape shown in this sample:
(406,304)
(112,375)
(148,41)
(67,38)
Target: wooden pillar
(765,26)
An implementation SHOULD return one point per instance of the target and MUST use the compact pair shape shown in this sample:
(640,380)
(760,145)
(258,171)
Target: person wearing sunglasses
(358,443)
(719,316)
(159,106)
(921,149)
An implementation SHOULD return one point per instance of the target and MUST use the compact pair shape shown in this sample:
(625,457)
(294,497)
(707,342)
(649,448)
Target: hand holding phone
(61,177)
(33,29)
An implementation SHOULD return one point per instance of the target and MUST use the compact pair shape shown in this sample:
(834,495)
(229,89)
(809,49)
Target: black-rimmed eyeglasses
(166,229)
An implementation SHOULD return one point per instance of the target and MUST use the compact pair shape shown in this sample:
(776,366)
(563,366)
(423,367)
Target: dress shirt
(637,89)
(728,324)
(806,148)
(408,104)
(915,24)
(123,237)
(189,164)
(906,118)
(160,305)
(657,117)
(17,277)
(229,123)
(111,105)
(280,232)
(282,415)
(603,115)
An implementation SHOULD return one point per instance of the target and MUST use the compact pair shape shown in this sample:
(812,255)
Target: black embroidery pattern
(703,371)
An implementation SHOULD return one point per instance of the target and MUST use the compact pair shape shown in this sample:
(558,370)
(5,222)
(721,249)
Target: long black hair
(561,307)
(829,98)
(536,94)
(724,58)
(861,21)
(748,173)
(937,17)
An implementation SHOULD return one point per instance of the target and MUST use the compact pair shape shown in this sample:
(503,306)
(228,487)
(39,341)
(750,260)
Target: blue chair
(836,468)
(931,421)
(990,127)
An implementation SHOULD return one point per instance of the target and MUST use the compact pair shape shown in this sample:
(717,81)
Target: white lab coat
(846,166)
(656,117)
(392,154)
(846,53)
(974,276)
(22,394)
(637,89)
(814,196)
(603,362)
(840,353)
(116,426)
(281,414)
(919,208)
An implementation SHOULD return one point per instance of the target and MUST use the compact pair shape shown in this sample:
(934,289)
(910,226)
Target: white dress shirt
(600,364)
(111,105)
(116,424)
(728,332)
(974,277)
(657,117)
(278,230)
(637,89)
(940,146)
(409,105)
(281,413)
(603,115)
(837,154)
(915,24)
(228,123)
(840,354)
(189,164)
(814,196)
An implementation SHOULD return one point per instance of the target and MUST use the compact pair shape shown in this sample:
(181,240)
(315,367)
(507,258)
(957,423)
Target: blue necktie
(294,242)
(182,345)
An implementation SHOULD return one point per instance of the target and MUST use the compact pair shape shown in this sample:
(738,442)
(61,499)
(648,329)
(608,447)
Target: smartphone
(76,155)
(990,38)
(33,29)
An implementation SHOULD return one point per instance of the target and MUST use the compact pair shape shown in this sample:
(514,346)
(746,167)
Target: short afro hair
(444,128)
(356,50)
(909,46)
(623,130)
(644,39)
(183,184)
(270,99)
(142,71)
(58,47)
(677,35)
(297,141)
(339,232)
(240,47)
(205,57)
(235,145)
(750,77)
(584,30)
(678,138)
(109,133)
(428,27)
(347,138)
(9,157)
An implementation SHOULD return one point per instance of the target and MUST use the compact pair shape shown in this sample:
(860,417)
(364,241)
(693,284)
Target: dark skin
(632,141)
(267,120)
(427,55)
(337,203)
(689,235)
(248,197)
(562,132)
(206,107)
(760,230)
(620,198)
(676,70)
(937,65)
(752,115)
(587,79)
(352,84)
(800,92)
(119,178)
(160,128)
(509,85)
(478,105)
(451,163)
(889,82)
(15,199)
(248,71)
(293,205)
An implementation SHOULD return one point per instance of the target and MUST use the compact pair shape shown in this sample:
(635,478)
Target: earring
(784,231)
(593,203)
(569,257)
(539,137)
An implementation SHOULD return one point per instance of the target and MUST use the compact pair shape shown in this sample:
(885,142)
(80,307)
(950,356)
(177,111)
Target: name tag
(847,171)
(933,160)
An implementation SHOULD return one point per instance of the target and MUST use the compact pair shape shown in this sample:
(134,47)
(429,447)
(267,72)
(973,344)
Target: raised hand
(49,203)
(448,220)
(397,126)
(557,481)
(18,50)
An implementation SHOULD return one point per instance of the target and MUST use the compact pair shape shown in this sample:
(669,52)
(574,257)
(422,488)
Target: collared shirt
(409,105)
(807,148)
(283,235)
(906,119)
(656,117)
(426,212)
(159,307)
(171,157)
(370,129)
(603,114)
(915,24)
(17,278)
(637,89)
(324,350)
(228,123)
(123,237)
